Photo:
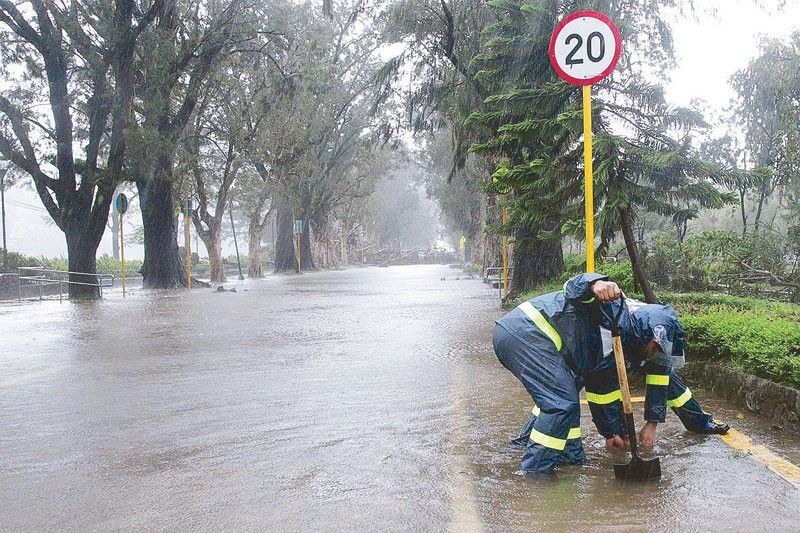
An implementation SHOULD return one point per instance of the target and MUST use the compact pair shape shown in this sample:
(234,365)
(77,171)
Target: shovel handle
(622,374)
(627,406)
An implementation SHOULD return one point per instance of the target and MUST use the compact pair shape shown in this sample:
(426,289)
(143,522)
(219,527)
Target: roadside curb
(777,403)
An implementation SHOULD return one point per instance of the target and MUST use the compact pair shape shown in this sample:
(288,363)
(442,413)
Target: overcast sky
(710,48)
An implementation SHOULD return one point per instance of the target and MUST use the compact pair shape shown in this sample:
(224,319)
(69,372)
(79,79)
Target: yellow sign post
(188,241)
(122,207)
(584,49)
(504,217)
(588,180)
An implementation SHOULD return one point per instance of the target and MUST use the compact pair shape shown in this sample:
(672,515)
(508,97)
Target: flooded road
(362,400)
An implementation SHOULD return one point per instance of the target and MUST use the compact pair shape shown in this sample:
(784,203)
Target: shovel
(638,469)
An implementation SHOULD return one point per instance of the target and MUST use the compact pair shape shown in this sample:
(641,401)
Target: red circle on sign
(590,14)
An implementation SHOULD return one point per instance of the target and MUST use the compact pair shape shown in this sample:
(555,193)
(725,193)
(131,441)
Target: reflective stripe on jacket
(569,319)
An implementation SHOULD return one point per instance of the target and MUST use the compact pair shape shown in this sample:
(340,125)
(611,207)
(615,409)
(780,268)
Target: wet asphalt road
(362,400)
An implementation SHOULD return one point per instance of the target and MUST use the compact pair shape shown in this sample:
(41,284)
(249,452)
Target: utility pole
(3,202)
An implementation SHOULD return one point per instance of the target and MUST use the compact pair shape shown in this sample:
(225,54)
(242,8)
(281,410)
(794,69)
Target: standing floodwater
(364,400)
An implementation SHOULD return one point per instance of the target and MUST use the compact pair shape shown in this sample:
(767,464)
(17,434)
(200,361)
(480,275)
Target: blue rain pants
(536,363)
(664,388)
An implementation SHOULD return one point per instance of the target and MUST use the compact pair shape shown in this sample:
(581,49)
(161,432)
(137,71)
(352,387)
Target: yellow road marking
(741,442)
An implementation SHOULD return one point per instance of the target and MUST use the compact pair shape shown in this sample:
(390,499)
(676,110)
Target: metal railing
(45,277)
(494,277)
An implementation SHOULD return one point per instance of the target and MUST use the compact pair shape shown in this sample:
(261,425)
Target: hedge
(755,336)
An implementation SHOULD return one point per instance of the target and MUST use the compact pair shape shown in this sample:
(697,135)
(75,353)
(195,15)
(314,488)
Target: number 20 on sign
(584,49)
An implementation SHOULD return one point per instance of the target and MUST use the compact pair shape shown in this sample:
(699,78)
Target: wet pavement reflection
(359,400)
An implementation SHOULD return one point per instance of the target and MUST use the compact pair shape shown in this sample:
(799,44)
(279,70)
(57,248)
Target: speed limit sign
(585,47)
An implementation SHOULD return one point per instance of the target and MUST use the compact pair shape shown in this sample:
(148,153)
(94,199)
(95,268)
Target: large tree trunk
(83,234)
(536,263)
(307,256)
(255,231)
(639,273)
(213,242)
(162,268)
(82,258)
(285,258)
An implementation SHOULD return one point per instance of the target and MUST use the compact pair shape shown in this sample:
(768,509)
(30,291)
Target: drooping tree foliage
(440,38)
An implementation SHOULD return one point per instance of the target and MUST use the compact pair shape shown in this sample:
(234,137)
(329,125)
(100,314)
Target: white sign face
(585,47)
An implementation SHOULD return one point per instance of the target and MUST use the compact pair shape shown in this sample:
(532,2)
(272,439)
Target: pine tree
(538,129)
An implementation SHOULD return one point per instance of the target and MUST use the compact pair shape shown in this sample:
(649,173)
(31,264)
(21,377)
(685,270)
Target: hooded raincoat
(550,344)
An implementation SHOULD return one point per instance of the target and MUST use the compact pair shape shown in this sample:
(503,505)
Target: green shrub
(574,264)
(695,302)
(621,273)
(756,336)
(715,260)
(16,260)
(761,345)
(106,264)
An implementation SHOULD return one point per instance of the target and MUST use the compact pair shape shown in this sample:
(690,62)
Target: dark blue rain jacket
(574,314)
(664,387)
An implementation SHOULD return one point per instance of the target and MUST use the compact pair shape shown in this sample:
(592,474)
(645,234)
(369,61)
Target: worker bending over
(653,343)
(550,344)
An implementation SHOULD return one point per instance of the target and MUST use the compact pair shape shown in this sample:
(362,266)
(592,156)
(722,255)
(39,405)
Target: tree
(183,47)
(342,92)
(727,152)
(441,38)
(214,168)
(78,58)
(768,109)
(536,128)
(653,173)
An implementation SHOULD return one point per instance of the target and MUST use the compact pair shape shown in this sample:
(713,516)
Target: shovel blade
(638,470)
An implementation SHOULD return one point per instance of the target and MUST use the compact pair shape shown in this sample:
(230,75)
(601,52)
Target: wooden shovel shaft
(619,358)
